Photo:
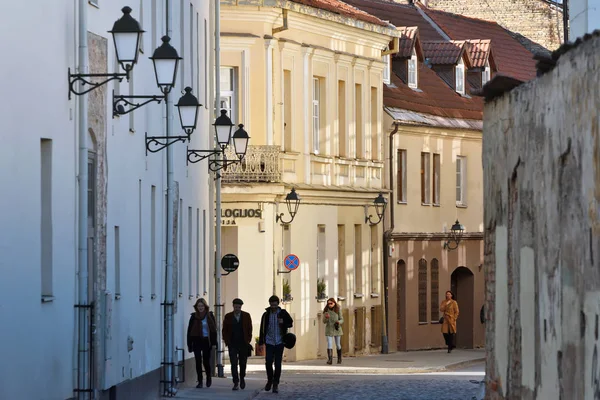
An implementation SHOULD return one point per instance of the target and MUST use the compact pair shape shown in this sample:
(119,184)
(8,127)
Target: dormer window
(485,74)
(460,77)
(412,71)
(387,68)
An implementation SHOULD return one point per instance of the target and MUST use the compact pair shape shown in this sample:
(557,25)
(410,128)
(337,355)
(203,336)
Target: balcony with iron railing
(260,165)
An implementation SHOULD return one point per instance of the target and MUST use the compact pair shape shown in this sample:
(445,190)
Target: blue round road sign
(291,262)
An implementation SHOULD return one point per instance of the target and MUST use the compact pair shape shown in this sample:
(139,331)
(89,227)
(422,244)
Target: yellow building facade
(307,85)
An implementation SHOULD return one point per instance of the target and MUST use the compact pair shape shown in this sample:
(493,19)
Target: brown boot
(329,356)
(339,354)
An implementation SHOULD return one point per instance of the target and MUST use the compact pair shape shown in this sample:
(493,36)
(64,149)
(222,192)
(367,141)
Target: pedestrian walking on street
(237,335)
(450,309)
(273,327)
(333,320)
(201,337)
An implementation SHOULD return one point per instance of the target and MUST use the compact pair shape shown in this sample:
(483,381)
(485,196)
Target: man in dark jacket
(273,326)
(237,335)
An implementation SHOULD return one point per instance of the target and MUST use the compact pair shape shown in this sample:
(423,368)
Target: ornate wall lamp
(223,127)
(380,203)
(292,200)
(456,233)
(126,33)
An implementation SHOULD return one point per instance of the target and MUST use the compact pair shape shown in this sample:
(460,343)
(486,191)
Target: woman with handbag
(449,307)
(201,337)
(333,320)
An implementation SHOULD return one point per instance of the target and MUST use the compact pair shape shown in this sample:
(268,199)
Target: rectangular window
(436,179)
(182,53)
(196,60)
(316,114)
(461,181)
(425,179)
(140,264)
(154,24)
(435,290)
(228,93)
(387,68)
(198,244)
(287,110)
(204,264)
(46,234)
(193,40)
(117,263)
(460,77)
(206,61)
(485,74)
(401,176)
(343,279)
(287,246)
(422,291)
(321,252)
(190,249)
(153,246)
(374,124)
(358,110)
(342,121)
(374,259)
(412,71)
(180,249)
(358,261)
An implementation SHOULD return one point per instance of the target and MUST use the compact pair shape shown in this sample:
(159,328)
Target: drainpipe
(169,343)
(386,237)
(83,373)
(218,305)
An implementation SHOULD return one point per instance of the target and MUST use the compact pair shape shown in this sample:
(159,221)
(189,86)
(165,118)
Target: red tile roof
(341,8)
(443,52)
(479,51)
(511,57)
(407,40)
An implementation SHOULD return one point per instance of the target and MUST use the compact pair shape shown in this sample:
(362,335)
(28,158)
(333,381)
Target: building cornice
(400,236)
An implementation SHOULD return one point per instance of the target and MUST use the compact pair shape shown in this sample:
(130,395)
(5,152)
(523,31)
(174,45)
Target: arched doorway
(401,305)
(462,285)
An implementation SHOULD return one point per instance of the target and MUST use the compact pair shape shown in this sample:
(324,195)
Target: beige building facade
(307,85)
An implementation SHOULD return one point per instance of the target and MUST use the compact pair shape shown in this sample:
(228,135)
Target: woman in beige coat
(449,308)
(333,320)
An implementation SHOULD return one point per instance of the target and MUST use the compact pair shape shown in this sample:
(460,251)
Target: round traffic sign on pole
(291,262)
(230,262)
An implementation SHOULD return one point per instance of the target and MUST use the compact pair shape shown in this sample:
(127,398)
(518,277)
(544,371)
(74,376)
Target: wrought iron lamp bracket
(368,219)
(155,144)
(194,156)
(217,165)
(119,103)
(279,218)
(449,246)
(83,78)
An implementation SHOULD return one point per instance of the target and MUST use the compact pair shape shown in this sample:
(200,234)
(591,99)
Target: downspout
(83,308)
(386,238)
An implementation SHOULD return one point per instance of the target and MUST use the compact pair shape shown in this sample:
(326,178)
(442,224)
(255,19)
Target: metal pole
(218,305)
(566,21)
(169,345)
(384,304)
(83,374)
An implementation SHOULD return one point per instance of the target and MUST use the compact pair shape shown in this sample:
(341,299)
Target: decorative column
(307,107)
(269,89)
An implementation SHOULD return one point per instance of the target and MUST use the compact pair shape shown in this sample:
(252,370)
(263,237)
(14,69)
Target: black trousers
(450,339)
(238,354)
(202,355)
(274,354)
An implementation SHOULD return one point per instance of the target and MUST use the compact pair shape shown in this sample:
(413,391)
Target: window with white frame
(425,179)
(316,116)
(387,68)
(460,76)
(485,74)
(461,181)
(228,93)
(412,71)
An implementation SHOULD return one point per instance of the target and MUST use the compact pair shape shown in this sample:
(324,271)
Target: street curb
(463,364)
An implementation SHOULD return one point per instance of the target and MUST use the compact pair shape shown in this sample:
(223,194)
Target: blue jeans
(274,353)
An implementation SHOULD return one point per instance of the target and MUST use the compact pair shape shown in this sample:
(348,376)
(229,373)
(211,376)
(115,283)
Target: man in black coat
(274,324)
(237,335)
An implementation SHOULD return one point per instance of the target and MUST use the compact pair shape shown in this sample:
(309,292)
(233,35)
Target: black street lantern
(223,127)
(188,111)
(166,61)
(240,141)
(380,204)
(292,200)
(456,233)
(127,33)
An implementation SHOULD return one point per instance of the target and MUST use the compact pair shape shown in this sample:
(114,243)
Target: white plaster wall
(38,340)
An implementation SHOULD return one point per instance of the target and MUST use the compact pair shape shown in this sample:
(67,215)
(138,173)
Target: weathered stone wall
(541,161)
(536,20)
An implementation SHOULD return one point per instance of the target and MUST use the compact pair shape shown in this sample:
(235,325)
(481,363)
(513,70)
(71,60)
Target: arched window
(423,290)
(435,289)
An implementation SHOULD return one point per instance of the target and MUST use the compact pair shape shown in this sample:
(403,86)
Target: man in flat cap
(237,335)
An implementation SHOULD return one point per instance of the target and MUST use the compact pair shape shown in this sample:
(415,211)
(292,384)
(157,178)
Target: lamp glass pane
(165,71)
(241,145)
(126,44)
(187,115)
(223,134)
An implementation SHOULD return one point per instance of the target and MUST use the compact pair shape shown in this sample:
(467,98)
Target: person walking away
(237,335)
(201,337)
(333,320)
(273,326)
(450,309)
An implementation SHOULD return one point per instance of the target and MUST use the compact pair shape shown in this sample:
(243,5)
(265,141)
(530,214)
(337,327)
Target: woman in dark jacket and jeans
(201,337)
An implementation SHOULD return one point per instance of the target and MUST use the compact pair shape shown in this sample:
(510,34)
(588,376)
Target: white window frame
(316,114)
(412,64)
(461,181)
(387,69)
(427,176)
(460,76)
(402,165)
(229,95)
(486,74)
